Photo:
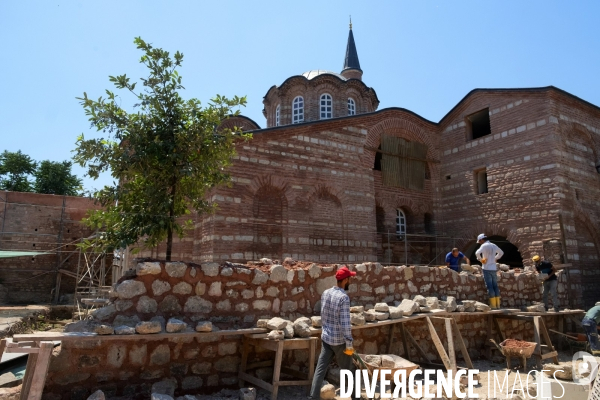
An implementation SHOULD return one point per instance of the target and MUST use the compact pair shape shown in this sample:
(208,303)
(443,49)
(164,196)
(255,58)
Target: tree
(165,157)
(54,177)
(14,171)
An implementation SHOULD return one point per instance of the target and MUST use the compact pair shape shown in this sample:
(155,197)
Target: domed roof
(316,72)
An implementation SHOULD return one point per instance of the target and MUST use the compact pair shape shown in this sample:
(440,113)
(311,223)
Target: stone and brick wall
(39,222)
(235,296)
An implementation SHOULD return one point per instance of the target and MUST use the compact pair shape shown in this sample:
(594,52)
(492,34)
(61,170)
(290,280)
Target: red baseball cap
(343,273)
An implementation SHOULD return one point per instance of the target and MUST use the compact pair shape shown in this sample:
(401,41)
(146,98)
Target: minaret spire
(351,64)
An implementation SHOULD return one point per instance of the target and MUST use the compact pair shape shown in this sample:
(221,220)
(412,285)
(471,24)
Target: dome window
(277,115)
(351,106)
(326,106)
(298,110)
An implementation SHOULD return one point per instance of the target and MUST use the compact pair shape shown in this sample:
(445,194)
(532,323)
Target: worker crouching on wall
(590,324)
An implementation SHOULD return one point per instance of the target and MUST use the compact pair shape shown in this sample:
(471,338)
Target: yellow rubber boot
(493,303)
(498,302)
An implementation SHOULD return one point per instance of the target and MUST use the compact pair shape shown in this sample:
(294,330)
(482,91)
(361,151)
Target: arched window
(326,106)
(351,106)
(298,110)
(400,223)
(277,115)
(428,223)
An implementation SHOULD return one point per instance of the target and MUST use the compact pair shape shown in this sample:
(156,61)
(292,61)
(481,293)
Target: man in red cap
(336,333)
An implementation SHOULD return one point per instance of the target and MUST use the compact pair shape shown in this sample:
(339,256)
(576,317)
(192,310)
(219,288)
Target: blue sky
(423,56)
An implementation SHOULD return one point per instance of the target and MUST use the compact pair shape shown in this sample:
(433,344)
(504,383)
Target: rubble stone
(328,392)
(396,312)
(124,330)
(382,307)
(175,325)
(104,330)
(432,303)
(563,371)
(357,319)
(182,288)
(479,306)
(130,288)
(278,273)
(148,268)
(357,309)
(316,321)
(210,269)
(146,305)
(408,307)
(302,328)
(170,304)
(159,287)
(277,323)
(147,327)
(276,335)
(204,326)
(248,394)
(420,300)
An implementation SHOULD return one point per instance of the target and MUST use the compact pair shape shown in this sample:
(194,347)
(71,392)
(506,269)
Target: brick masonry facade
(39,222)
(310,191)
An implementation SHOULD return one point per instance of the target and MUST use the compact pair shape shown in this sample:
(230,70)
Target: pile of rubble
(132,326)
(285,329)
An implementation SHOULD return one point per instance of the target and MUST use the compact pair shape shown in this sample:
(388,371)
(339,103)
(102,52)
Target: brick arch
(326,231)
(590,224)
(400,127)
(469,235)
(321,189)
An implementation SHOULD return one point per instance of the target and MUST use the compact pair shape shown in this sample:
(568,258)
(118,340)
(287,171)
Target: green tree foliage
(15,169)
(53,177)
(164,157)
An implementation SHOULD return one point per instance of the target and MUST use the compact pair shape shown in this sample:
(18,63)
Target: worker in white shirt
(489,254)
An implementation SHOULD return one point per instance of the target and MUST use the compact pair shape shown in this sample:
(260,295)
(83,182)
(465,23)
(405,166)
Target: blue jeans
(550,288)
(491,282)
(589,325)
(327,353)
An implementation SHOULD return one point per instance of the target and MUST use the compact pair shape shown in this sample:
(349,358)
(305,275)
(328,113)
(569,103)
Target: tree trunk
(170,226)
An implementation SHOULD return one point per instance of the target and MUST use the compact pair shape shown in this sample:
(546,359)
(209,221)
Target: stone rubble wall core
(230,296)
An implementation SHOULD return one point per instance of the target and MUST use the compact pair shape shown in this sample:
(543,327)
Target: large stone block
(175,325)
(182,288)
(147,327)
(277,323)
(130,288)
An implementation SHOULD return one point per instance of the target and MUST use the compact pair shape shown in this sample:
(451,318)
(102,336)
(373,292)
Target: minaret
(351,64)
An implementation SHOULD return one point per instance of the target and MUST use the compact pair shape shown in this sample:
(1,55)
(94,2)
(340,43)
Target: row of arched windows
(325,109)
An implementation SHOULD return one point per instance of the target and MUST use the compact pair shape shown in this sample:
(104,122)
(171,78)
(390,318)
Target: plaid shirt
(335,317)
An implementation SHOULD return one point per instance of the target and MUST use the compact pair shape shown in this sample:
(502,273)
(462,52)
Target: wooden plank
(259,364)
(244,363)
(293,372)
(461,345)
(450,336)
(391,339)
(536,337)
(87,336)
(546,338)
(255,381)
(416,346)
(3,343)
(305,382)
(438,345)
(22,350)
(497,326)
(41,370)
(277,369)
(552,354)
(404,342)
(289,344)
(561,329)
(26,385)
(312,349)
(488,336)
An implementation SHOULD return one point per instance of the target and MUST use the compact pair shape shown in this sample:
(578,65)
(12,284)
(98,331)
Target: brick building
(332,178)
